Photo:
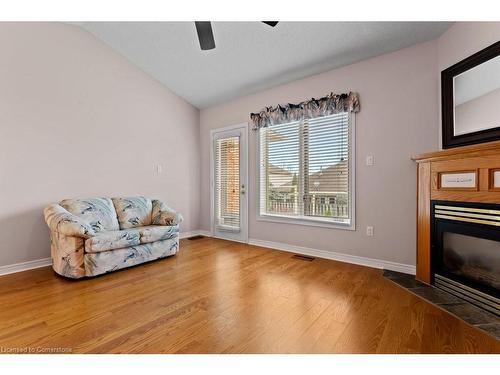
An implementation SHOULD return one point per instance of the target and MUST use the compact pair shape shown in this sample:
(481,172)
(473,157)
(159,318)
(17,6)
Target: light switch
(159,168)
(369,160)
(369,231)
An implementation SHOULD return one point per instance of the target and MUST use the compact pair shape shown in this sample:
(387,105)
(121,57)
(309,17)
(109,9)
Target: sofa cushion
(99,213)
(154,233)
(133,212)
(118,239)
(111,240)
(107,261)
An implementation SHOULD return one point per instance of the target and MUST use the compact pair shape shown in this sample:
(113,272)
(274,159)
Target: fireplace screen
(466,251)
(473,258)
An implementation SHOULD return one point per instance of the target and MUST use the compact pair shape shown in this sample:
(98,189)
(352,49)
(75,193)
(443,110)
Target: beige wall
(398,118)
(464,39)
(77,119)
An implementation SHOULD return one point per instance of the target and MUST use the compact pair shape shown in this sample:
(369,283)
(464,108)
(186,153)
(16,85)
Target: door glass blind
(304,169)
(227,183)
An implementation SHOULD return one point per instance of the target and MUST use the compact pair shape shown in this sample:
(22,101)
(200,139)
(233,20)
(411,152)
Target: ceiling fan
(206,36)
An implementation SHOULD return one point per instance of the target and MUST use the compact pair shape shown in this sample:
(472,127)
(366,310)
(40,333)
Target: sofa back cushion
(98,212)
(133,211)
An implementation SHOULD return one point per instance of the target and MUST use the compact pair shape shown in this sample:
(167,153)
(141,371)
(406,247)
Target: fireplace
(465,250)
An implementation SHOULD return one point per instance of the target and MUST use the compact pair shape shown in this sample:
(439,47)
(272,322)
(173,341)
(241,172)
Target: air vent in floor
(303,257)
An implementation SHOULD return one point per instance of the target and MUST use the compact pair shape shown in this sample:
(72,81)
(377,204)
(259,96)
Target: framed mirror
(470,99)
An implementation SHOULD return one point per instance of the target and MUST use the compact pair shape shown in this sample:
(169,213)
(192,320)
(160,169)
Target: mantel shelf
(460,152)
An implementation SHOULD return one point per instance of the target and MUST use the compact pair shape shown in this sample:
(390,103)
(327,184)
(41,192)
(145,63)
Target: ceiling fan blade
(271,23)
(205,35)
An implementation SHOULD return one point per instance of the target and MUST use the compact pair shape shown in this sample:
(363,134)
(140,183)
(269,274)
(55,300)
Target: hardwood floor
(223,297)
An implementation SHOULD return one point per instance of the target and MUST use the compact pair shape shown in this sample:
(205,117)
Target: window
(306,172)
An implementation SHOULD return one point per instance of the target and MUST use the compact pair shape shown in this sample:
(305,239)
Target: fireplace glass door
(474,260)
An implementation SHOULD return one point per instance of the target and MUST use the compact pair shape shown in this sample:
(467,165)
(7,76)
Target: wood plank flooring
(218,296)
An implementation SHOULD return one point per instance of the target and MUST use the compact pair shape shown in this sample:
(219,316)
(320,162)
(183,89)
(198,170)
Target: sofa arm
(164,215)
(60,220)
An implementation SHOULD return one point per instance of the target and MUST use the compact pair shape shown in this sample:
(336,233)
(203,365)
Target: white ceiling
(251,56)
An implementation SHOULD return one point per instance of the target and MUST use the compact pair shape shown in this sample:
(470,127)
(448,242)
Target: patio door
(229,181)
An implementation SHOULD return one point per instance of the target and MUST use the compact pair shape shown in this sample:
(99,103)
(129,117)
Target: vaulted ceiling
(251,56)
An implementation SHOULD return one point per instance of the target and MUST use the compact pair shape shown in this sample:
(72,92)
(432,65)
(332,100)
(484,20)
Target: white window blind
(227,182)
(305,169)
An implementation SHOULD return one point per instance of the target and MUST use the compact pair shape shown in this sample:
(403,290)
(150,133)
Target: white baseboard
(192,233)
(369,262)
(24,266)
(188,234)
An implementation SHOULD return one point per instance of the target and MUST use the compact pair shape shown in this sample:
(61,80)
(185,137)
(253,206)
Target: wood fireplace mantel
(477,171)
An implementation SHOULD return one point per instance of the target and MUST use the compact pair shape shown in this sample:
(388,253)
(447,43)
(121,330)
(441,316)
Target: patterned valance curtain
(328,105)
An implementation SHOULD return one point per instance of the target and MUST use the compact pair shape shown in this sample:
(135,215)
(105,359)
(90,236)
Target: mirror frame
(447,103)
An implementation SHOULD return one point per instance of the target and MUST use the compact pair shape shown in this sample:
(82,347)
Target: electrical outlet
(370,160)
(159,168)
(369,231)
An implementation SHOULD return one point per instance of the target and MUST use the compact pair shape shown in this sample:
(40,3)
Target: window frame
(315,221)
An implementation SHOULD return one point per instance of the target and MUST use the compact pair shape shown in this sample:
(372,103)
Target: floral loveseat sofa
(93,236)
